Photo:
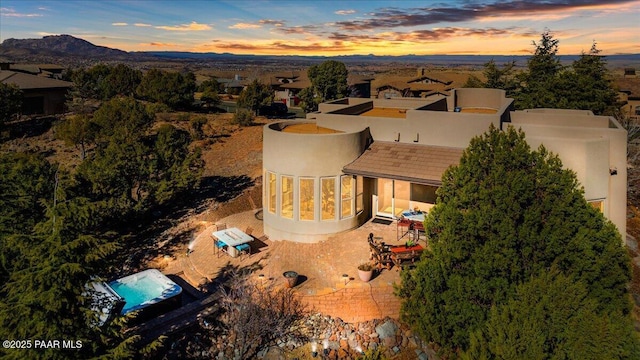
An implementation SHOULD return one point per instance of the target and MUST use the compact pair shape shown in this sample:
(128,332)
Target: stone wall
(336,339)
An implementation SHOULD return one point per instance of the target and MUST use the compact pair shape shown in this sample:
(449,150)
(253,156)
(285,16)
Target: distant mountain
(438,60)
(58,46)
(71,50)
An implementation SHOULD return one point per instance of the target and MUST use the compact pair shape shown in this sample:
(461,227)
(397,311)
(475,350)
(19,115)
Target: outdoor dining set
(400,256)
(232,241)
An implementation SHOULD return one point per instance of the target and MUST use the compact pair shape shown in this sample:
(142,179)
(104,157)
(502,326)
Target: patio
(321,267)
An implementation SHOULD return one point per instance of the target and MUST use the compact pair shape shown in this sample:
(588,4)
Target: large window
(597,204)
(423,193)
(359,194)
(286,210)
(307,208)
(272,195)
(328,196)
(346,196)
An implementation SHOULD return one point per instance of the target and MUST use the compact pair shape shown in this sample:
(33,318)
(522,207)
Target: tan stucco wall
(589,145)
(477,97)
(555,117)
(428,127)
(591,152)
(309,156)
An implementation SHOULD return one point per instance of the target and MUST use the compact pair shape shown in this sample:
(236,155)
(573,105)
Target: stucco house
(361,158)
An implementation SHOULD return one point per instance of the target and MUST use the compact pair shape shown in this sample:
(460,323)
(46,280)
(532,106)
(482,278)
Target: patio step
(191,274)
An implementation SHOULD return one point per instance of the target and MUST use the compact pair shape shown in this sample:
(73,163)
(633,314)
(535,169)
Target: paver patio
(321,265)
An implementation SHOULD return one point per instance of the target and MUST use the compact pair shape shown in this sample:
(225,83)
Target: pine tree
(503,215)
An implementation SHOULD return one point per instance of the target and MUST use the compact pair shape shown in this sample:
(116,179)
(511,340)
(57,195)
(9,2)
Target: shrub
(255,316)
(197,123)
(243,117)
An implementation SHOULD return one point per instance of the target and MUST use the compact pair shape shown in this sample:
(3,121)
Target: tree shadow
(31,127)
(143,246)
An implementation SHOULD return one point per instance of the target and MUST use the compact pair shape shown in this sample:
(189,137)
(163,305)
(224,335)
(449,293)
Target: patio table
(413,215)
(232,237)
(405,256)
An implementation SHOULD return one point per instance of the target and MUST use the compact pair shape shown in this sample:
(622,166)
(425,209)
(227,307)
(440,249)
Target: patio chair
(222,226)
(219,246)
(243,249)
(248,230)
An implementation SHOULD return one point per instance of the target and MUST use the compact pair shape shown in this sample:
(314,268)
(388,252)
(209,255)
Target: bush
(197,123)
(243,117)
(255,316)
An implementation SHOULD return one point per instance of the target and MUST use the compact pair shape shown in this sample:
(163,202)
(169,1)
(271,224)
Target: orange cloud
(157,44)
(142,25)
(194,26)
(245,26)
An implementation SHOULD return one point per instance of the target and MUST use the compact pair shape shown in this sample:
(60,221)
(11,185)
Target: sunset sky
(331,27)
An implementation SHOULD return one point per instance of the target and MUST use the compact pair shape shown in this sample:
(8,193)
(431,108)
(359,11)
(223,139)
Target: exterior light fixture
(613,171)
(325,346)
(314,348)
(346,278)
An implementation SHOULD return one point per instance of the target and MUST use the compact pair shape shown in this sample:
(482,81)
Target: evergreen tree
(253,96)
(497,78)
(25,181)
(537,84)
(121,80)
(552,316)
(503,215)
(308,100)
(77,130)
(170,88)
(175,167)
(11,102)
(329,80)
(589,86)
(122,116)
(585,85)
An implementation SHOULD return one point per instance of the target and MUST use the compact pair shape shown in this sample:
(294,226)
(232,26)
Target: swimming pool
(143,289)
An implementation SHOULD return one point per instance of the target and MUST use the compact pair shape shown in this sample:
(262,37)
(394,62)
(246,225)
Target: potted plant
(291,278)
(365,271)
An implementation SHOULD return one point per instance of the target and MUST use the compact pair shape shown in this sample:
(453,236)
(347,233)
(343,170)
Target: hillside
(58,46)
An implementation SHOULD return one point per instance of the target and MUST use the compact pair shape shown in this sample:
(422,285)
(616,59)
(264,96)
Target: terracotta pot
(291,278)
(365,275)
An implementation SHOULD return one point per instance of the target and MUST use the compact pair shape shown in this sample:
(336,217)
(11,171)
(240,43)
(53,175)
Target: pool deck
(321,265)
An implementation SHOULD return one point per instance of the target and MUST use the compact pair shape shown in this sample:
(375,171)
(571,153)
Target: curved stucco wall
(306,156)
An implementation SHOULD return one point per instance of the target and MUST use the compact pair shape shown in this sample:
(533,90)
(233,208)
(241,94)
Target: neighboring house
(46,70)
(233,86)
(288,88)
(42,95)
(360,158)
(629,96)
(421,86)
